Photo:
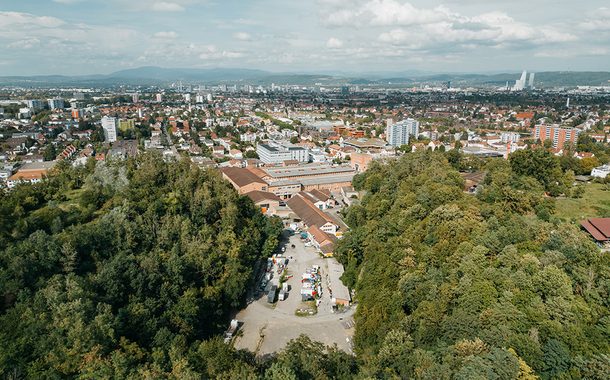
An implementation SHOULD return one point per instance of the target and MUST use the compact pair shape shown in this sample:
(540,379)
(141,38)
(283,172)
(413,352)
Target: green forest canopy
(141,267)
(130,270)
(492,286)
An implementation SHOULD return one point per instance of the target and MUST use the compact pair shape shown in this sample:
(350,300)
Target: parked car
(283,295)
(272,294)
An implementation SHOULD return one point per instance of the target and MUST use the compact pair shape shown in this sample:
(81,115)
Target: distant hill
(542,79)
(168,74)
(151,75)
(569,78)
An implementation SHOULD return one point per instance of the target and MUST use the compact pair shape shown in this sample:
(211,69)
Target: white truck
(233,326)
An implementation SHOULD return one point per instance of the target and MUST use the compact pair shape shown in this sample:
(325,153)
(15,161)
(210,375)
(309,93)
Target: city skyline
(78,37)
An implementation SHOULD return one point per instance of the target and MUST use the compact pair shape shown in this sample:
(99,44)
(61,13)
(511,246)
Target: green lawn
(594,203)
(73,199)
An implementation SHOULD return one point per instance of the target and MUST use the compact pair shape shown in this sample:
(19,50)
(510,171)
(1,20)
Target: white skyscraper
(35,104)
(530,84)
(56,103)
(109,126)
(398,134)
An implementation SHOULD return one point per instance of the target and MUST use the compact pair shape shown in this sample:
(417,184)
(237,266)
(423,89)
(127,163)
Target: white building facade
(399,133)
(600,171)
(273,152)
(109,127)
(56,103)
(507,137)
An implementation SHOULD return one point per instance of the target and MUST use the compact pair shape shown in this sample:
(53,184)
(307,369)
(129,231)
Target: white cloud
(25,44)
(242,36)
(599,51)
(11,19)
(391,12)
(421,28)
(385,13)
(246,21)
(597,21)
(211,52)
(166,35)
(334,43)
(232,54)
(24,30)
(554,54)
(163,6)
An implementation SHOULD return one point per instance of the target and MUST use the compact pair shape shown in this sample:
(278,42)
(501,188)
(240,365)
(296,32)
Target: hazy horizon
(363,73)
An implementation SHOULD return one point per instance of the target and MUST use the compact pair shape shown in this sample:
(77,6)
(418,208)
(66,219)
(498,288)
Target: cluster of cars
(305,239)
(311,284)
(275,265)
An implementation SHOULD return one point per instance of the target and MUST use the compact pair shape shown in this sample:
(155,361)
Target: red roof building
(524,115)
(598,228)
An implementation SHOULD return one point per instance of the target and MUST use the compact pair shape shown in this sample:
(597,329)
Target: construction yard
(267,327)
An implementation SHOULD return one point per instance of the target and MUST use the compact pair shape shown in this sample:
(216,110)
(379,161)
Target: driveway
(268,327)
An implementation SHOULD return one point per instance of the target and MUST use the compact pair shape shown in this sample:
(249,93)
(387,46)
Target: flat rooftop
(335,271)
(269,147)
(279,147)
(306,170)
(314,181)
(366,143)
(46,165)
(480,151)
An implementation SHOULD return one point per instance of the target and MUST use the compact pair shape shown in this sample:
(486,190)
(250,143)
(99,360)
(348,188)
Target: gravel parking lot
(267,328)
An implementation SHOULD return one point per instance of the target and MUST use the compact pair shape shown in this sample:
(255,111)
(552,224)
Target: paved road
(267,328)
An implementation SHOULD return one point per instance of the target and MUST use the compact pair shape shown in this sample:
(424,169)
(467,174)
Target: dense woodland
(123,270)
(131,270)
(456,286)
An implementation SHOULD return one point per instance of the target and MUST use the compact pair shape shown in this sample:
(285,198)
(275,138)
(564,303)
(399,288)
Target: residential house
(601,171)
(236,153)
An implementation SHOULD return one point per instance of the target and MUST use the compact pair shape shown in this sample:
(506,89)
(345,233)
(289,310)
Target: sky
(75,37)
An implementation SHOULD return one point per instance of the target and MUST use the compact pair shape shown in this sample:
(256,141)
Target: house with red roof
(599,229)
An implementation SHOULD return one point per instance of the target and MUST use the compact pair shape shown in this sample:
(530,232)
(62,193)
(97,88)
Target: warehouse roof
(241,177)
(308,212)
(259,196)
(307,170)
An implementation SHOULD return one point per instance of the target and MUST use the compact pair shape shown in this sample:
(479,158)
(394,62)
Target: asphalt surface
(267,328)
